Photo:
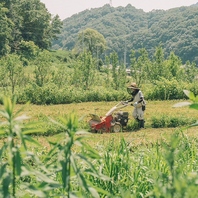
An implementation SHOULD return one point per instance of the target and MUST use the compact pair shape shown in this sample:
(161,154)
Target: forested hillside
(127,28)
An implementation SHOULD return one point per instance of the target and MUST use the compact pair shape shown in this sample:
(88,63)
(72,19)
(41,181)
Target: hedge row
(51,94)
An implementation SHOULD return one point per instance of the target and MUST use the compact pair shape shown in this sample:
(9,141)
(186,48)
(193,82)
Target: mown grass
(155,109)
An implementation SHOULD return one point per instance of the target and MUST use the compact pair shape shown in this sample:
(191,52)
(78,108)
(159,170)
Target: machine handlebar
(120,105)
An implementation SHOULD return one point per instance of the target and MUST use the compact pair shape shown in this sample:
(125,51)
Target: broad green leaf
(4,114)
(2,131)
(43,177)
(100,190)
(31,131)
(94,192)
(18,162)
(64,175)
(195,124)
(6,183)
(26,171)
(194,106)
(190,95)
(3,170)
(8,106)
(35,191)
(72,195)
(32,140)
(91,152)
(58,123)
(3,148)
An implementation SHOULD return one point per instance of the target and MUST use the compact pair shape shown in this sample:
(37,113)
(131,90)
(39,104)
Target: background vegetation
(126,28)
(91,70)
(53,155)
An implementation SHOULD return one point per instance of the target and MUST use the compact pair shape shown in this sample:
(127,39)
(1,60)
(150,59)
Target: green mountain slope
(127,28)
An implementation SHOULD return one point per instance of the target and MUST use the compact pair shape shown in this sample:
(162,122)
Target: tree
(13,69)
(191,71)
(158,67)
(106,70)
(28,50)
(36,23)
(84,71)
(56,26)
(30,21)
(174,66)
(16,19)
(42,68)
(92,41)
(118,72)
(140,66)
(5,31)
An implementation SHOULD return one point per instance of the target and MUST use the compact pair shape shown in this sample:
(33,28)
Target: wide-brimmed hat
(133,86)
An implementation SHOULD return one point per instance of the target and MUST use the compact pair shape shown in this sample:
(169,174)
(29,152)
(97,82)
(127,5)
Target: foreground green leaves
(72,168)
(62,173)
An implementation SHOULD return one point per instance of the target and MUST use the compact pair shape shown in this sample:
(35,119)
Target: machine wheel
(117,127)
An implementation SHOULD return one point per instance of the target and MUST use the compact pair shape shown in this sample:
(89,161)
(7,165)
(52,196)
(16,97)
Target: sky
(66,8)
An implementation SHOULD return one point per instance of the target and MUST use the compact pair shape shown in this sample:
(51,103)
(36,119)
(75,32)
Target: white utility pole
(125,51)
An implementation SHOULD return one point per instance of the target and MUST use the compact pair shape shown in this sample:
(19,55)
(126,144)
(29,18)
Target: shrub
(164,121)
(132,125)
(167,90)
(50,94)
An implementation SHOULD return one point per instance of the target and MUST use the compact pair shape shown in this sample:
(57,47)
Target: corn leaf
(18,162)
(194,106)
(190,95)
(195,124)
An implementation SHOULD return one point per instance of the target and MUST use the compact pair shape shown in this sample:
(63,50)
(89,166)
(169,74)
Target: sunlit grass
(100,108)
(145,136)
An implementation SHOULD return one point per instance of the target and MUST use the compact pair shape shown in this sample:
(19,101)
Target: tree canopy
(91,41)
(127,28)
(26,20)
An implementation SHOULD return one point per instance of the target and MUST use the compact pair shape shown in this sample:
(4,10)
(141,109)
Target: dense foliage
(73,168)
(63,77)
(93,69)
(22,22)
(127,28)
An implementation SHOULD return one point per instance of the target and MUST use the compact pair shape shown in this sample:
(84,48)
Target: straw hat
(133,86)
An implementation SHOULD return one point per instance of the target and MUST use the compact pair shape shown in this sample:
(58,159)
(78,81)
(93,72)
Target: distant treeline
(126,28)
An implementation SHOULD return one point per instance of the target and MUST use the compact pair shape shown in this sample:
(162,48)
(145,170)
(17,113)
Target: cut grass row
(154,108)
(142,137)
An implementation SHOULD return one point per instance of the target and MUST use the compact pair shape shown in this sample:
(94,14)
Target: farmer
(138,102)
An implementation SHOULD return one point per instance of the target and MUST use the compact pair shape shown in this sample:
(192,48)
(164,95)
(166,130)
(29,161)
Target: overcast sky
(66,8)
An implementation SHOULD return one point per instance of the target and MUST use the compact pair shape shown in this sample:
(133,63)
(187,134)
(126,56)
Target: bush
(50,94)
(167,90)
(132,125)
(164,121)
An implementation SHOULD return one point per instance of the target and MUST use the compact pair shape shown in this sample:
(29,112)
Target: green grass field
(161,109)
(151,162)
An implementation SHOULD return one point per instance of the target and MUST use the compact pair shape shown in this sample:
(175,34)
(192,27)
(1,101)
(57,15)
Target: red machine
(109,123)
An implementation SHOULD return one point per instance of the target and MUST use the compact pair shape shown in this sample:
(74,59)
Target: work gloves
(135,104)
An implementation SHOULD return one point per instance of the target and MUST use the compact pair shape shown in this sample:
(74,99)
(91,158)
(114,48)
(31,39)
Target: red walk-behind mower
(110,122)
